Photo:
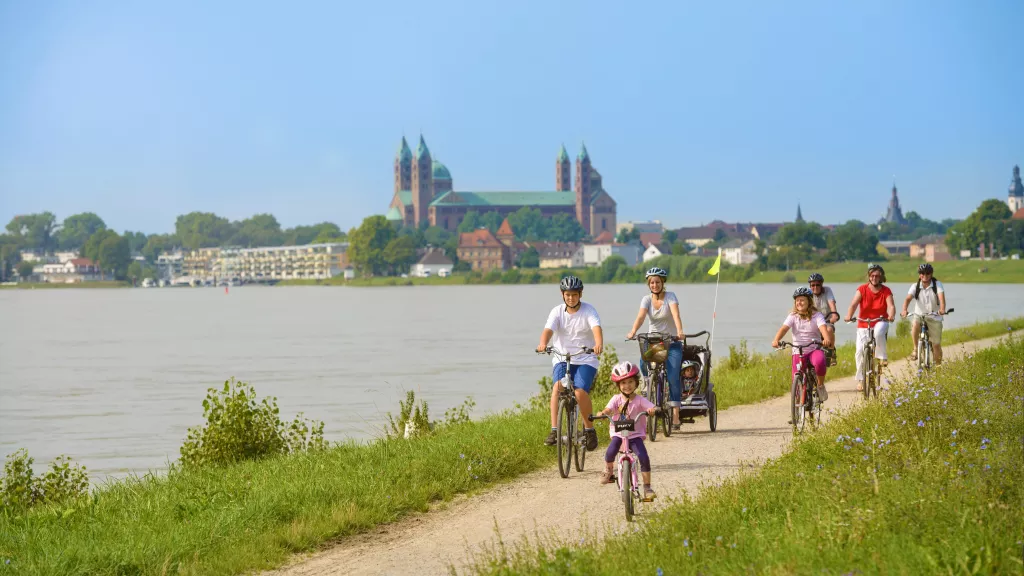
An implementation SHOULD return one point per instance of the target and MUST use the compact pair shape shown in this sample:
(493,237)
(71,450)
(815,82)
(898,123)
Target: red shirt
(872,305)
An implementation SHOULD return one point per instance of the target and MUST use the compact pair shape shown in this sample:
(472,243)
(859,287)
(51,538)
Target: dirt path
(541,501)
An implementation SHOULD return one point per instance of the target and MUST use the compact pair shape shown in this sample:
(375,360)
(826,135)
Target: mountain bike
(572,439)
(806,402)
(628,465)
(872,365)
(924,343)
(657,386)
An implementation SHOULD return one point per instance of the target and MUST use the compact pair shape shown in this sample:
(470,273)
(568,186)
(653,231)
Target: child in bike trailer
(573,325)
(808,326)
(689,380)
(628,404)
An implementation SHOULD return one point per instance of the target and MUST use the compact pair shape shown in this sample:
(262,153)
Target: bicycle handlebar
(550,350)
(799,348)
(868,320)
(592,417)
(950,311)
(654,335)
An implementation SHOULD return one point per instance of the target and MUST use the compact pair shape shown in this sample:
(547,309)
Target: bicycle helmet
(803,291)
(689,382)
(571,283)
(657,272)
(624,370)
(925,269)
(815,278)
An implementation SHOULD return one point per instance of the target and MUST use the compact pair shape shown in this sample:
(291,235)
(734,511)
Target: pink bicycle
(628,465)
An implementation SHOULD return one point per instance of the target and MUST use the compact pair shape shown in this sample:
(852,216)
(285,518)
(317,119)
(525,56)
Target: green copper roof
(505,199)
(441,171)
(403,151)
(394,214)
(405,197)
(583,153)
(563,156)
(422,149)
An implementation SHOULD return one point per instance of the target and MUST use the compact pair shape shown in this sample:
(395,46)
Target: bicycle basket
(627,425)
(657,352)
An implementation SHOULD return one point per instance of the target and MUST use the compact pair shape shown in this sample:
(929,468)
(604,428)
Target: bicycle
(924,344)
(831,357)
(804,391)
(656,390)
(872,365)
(628,466)
(571,446)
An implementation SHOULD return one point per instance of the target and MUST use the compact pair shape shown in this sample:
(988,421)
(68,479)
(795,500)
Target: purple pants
(817,359)
(638,447)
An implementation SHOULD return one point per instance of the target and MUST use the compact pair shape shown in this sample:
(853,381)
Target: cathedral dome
(441,171)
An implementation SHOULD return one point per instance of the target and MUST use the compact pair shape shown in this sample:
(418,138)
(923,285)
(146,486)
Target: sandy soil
(541,502)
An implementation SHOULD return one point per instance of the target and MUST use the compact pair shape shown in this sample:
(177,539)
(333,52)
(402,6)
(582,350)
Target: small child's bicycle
(628,465)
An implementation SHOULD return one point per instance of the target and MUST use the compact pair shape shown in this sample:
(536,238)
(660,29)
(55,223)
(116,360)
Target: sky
(692,111)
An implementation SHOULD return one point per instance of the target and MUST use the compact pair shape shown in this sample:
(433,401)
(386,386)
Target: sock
(554,428)
(587,428)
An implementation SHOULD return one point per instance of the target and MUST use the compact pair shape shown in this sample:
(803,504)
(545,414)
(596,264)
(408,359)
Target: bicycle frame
(872,366)
(657,388)
(808,402)
(625,456)
(924,348)
(571,446)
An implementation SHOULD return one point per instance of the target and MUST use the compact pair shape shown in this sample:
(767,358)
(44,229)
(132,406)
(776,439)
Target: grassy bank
(929,480)
(61,285)
(689,270)
(227,520)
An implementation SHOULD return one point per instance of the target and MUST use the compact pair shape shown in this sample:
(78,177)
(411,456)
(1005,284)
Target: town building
(268,263)
(1015,199)
(69,272)
(655,250)
(483,251)
(931,248)
(651,226)
(170,265)
(433,262)
(739,252)
(559,254)
(596,254)
(893,214)
(424,192)
(896,247)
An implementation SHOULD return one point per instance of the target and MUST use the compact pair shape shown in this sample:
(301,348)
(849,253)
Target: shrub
(902,328)
(459,414)
(413,420)
(64,482)
(238,428)
(788,278)
(738,356)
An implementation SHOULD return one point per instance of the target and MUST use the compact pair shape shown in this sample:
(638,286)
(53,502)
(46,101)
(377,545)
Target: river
(115,377)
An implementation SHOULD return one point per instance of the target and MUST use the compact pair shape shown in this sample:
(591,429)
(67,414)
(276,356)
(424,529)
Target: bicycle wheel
(626,485)
(927,349)
(565,440)
(652,427)
(921,360)
(876,373)
(666,420)
(798,404)
(813,403)
(869,367)
(579,441)
(713,410)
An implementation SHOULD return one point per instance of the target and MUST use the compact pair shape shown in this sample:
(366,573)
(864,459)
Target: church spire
(799,214)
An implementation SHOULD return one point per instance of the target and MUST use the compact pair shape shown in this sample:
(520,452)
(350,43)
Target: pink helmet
(624,370)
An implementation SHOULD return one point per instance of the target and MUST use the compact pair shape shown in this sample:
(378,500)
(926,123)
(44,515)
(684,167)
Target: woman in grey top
(662,308)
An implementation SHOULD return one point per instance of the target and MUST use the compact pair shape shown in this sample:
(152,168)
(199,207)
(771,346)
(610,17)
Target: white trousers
(863,336)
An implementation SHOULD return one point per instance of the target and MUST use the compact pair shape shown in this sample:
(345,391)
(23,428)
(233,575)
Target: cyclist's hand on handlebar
(652,410)
(828,341)
(631,335)
(903,313)
(775,343)
(597,350)
(541,349)
(892,318)
(849,319)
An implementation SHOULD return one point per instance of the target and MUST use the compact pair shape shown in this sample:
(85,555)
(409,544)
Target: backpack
(935,289)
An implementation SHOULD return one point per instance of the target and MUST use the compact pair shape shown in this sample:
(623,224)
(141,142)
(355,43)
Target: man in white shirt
(929,299)
(574,325)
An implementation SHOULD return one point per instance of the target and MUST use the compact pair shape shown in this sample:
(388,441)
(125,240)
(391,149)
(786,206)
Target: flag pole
(714,313)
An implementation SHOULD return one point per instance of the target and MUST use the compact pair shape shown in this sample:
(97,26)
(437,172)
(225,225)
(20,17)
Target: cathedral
(424,193)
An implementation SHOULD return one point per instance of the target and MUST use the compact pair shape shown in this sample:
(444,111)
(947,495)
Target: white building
(650,226)
(739,252)
(560,254)
(169,265)
(76,270)
(654,250)
(434,262)
(596,254)
(309,261)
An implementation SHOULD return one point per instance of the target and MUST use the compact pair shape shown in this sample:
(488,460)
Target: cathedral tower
(563,174)
(403,167)
(422,182)
(583,190)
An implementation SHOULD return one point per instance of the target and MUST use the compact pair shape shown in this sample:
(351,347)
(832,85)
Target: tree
(9,255)
(987,224)
(258,230)
(202,229)
(530,258)
(800,234)
(850,241)
(34,231)
(140,271)
(564,228)
(77,229)
(136,241)
(114,256)
(24,270)
(668,237)
(399,254)
(91,248)
(367,243)
(157,244)
(315,234)
(627,235)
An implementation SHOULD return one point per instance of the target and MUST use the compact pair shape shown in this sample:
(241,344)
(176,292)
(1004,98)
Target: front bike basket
(624,425)
(656,352)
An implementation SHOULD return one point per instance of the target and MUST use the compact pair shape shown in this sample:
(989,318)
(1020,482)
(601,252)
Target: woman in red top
(875,301)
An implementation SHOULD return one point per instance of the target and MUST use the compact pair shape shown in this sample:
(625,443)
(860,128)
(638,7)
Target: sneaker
(591,439)
(677,425)
(649,494)
(822,393)
(552,438)
(607,478)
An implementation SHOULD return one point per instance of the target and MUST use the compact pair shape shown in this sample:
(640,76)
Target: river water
(114,378)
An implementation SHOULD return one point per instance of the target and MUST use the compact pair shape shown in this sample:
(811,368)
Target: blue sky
(691,110)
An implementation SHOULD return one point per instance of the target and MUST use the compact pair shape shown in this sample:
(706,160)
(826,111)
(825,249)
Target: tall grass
(928,480)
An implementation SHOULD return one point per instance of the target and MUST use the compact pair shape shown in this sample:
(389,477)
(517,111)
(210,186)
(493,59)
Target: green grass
(768,376)
(255,515)
(928,480)
(60,285)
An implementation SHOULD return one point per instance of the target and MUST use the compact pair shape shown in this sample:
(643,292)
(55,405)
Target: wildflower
(819,466)
(686,541)
(896,477)
(744,509)
(985,421)
(984,446)
(847,447)
(858,440)
(988,467)
(985,440)
(462,456)
(925,450)
(661,572)
(718,538)
(954,432)
(475,477)
(920,424)
(865,456)
(975,421)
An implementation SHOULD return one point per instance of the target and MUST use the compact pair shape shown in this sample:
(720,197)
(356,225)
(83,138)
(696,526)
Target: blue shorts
(582,375)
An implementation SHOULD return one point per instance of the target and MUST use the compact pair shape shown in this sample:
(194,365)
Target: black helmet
(925,268)
(803,291)
(815,278)
(657,272)
(571,283)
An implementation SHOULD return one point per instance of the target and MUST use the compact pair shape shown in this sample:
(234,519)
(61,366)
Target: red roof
(648,238)
(82,262)
(482,237)
(505,229)
(604,237)
(1018,215)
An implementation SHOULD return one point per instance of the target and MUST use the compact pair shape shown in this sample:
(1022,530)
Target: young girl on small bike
(628,404)
(808,327)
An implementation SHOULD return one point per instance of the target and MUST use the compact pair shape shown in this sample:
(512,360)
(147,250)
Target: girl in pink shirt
(809,328)
(627,404)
